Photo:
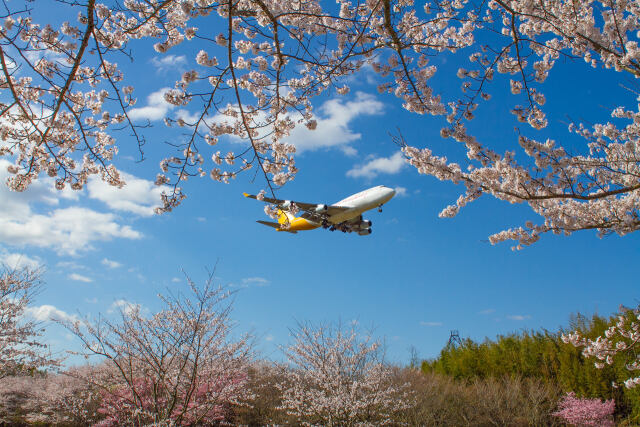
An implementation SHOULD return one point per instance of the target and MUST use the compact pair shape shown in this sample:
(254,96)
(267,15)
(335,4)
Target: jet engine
(321,208)
(365,232)
(365,224)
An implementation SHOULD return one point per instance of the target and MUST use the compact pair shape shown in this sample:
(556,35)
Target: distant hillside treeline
(542,355)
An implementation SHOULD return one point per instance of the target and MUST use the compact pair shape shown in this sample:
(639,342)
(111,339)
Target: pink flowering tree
(179,365)
(618,343)
(260,63)
(337,377)
(119,402)
(21,347)
(585,412)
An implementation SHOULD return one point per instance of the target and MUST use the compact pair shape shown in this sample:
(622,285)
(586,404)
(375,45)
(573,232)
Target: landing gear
(380,208)
(325,224)
(332,228)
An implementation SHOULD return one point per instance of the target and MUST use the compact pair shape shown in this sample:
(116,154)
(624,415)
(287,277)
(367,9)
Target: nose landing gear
(380,208)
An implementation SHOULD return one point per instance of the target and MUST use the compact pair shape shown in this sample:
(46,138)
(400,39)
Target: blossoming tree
(586,412)
(21,349)
(177,366)
(337,377)
(261,62)
(619,342)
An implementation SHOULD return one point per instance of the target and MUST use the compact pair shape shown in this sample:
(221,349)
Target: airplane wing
(312,210)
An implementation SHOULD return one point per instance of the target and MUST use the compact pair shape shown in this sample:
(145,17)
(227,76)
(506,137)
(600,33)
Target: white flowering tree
(180,365)
(21,348)
(51,399)
(618,343)
(261,62)
(337,377)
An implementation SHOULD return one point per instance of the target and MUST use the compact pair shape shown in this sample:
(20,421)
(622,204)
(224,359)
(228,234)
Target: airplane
(345,215)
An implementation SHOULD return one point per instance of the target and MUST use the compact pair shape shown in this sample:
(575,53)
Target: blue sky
(414,279)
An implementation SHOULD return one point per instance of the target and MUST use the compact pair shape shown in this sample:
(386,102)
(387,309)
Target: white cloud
(138,196)
(201,219)
(168,62)
(269,338)
(349,150)
(93,300)
(110,263)
(156,108)
(519,317)
(17,260)
(258,281)
(333,119)
(176,280)
(401,191)
(42,190)
(36,55)
(189,117)
(378,165)
(65,230)
(11,64)
(487,311)
(366,75)
(71,265)
(124,306)
(49,312)
(80,278)
(431,324)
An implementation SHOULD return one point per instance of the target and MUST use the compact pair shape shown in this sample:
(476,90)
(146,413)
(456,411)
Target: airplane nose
(388,193)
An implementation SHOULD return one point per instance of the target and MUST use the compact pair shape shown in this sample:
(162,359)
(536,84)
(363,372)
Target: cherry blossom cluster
(63,97)
(252,83)
(618,342)
(586,412)
(337,377)
(595,189)
(50,398)
(260,63)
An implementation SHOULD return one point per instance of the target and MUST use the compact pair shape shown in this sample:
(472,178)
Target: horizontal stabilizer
(276,226)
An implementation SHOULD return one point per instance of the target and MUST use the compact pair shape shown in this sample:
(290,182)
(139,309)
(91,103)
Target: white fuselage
(362,202)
